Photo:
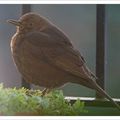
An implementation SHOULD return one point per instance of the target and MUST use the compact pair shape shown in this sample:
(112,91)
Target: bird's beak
(14,22)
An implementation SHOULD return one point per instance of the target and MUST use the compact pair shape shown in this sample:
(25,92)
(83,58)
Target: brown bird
(45,56)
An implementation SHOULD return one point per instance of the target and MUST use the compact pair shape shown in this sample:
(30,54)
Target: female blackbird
(45,56)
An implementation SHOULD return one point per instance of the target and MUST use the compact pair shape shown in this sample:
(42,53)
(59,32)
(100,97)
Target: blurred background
(79,23)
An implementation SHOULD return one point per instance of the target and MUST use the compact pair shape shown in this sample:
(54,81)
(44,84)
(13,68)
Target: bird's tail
(90,83)
(104,94)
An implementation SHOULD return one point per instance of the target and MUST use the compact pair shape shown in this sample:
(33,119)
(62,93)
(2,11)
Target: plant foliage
(29,102)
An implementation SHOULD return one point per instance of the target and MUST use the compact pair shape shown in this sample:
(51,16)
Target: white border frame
(59,2)
(60,118)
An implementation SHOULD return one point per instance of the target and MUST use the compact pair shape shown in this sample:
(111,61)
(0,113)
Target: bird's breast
(16,42)
(31,63)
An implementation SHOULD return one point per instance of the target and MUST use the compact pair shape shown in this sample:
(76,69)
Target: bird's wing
(58,36)
(62,56)
(66,59)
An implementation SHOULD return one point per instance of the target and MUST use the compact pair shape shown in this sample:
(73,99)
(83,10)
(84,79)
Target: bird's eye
(31,24)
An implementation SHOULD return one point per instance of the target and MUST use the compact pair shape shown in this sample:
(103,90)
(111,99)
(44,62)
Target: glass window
(8,73)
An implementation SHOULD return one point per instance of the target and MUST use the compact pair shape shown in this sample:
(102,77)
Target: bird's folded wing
(65,58)
(67,61)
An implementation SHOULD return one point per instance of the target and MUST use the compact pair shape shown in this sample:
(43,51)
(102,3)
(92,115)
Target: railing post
(100,46)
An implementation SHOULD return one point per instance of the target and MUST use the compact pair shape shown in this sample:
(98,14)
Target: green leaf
(14,101)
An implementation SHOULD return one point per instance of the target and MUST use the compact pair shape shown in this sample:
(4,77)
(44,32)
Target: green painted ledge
(97,107)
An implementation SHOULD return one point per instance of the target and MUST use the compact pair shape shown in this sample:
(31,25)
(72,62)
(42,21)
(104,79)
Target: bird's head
(30,22)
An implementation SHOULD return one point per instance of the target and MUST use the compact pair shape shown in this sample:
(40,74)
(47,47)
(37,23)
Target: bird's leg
(48,90)
(44,92)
